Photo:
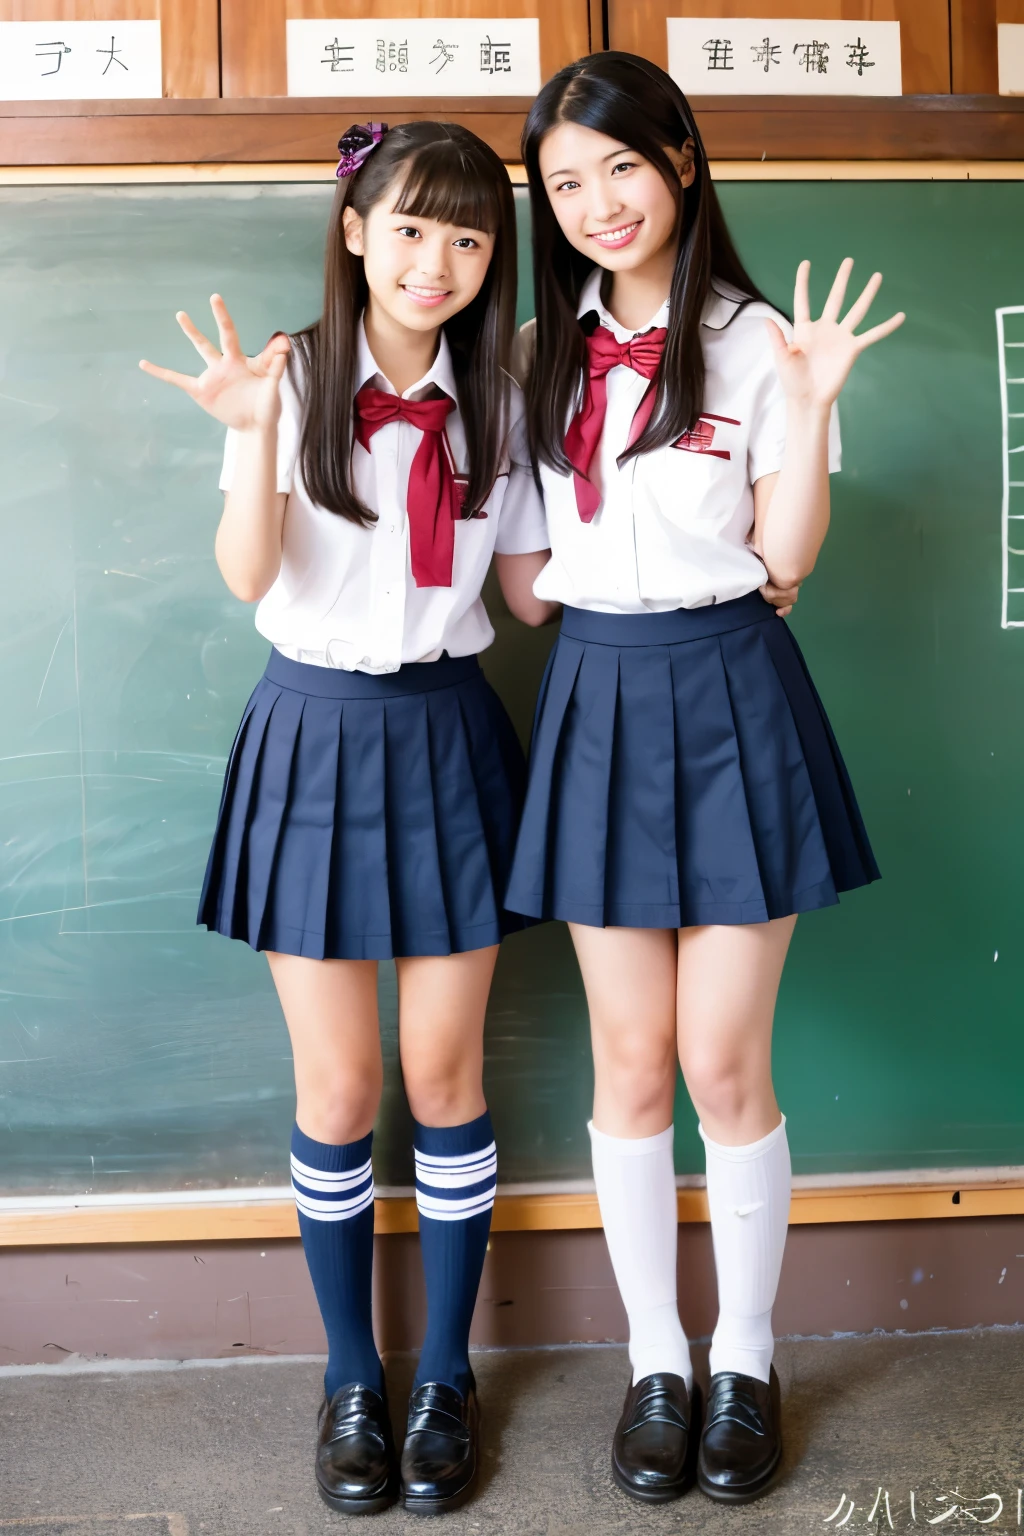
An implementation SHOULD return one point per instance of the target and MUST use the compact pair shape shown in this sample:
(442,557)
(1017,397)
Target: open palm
(242,392)
(815,365)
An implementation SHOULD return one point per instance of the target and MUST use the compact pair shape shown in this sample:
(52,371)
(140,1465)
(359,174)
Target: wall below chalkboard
(137,1053)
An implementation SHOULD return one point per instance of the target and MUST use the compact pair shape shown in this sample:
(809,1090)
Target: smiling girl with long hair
(374,464)
(686,797)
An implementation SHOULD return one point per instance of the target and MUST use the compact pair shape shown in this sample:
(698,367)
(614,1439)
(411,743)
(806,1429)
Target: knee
(639,1072)
(443,1093)
(722,1088)
(338,1110)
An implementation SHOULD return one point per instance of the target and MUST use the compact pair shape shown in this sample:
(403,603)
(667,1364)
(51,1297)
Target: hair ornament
(356,143)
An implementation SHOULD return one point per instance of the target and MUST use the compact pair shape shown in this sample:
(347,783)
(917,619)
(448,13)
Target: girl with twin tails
(686,799)
(374,464)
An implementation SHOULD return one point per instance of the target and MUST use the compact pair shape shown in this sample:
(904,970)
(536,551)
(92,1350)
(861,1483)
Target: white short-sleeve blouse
(674,525)
(345,595)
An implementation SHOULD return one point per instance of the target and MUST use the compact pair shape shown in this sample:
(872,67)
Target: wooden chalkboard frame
(64,1223)
(228,172)
(270,1214)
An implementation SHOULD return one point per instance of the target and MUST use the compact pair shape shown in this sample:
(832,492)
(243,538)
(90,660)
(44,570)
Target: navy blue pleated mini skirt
(683,771)
(367,817)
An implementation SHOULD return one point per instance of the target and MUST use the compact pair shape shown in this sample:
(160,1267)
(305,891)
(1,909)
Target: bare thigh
(330,1007)
(442,1001)
(727,987)
(630,979)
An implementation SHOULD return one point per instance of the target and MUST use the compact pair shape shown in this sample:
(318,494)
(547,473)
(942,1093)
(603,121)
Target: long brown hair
(632,100)
(431,171)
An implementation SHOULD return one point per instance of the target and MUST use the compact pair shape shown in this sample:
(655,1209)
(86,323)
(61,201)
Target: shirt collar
(440,372)
(722,303)
(592,303)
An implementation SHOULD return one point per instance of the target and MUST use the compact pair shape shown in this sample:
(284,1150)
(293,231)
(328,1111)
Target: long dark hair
(431,171)
(632,100)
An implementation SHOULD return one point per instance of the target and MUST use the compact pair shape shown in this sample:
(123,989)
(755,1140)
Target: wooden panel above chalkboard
(254,60)
(296,129)
(638,26)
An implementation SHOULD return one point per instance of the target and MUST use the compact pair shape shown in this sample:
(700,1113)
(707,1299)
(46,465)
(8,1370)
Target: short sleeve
(767,442)
(289,429)
(522,521)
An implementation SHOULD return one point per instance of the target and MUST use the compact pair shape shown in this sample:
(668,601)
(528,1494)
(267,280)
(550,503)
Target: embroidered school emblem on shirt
(700,438)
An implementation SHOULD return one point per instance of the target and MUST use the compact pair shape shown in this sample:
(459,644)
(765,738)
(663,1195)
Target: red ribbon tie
(432,499)
(643,355)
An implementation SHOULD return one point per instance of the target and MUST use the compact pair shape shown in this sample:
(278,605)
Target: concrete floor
(227,1449)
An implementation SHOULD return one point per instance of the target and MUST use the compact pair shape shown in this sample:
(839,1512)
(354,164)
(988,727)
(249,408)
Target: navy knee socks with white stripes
(456,1174)
(334,1194)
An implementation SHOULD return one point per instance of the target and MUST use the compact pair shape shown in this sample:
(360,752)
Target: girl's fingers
(777,338)
(183,381)
(859,308)
(277,346)
(229,342)
(802,293)
(206,349)
(277,365)
(837,293)
(877,332)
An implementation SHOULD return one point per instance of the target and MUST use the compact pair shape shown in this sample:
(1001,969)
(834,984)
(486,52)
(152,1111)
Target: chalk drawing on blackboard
(1010,332)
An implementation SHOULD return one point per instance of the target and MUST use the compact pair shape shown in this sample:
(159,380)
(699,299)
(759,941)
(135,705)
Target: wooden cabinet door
(638,26)
(253,31)
(189,40)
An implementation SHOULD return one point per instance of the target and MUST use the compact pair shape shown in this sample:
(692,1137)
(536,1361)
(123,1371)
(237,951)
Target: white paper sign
(79,60)
(1011,59)
(756,56)
(433,56)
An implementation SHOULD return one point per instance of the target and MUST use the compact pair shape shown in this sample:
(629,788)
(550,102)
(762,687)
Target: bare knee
(445,1092)
(634,1083)
(728,1096)
(337,1108)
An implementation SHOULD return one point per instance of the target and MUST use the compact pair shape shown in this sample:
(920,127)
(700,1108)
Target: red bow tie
(643,355)
(431,499)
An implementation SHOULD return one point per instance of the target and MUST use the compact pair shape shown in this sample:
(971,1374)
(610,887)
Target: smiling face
(419,272)
(611,203)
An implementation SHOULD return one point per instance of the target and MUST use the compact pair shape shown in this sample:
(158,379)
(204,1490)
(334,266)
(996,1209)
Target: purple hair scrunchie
(356,143)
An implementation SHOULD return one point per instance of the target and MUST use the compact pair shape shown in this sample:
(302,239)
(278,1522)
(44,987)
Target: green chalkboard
(137,1052)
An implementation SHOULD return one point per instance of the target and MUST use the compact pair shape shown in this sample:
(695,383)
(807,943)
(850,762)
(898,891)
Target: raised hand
(815,365)
(240,391)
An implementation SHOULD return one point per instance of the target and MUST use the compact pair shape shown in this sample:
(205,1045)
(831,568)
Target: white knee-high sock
(748,1197)
(636,1190)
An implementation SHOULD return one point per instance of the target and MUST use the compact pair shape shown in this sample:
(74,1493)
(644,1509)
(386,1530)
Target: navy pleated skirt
(683,771)
(367,817)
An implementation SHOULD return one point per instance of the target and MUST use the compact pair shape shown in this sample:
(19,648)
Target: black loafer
(439,1458)
(655,1447)
(356,1462)
(741,1448)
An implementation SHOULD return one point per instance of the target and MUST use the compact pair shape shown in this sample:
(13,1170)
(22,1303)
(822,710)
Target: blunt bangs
(428,170)
(446,183)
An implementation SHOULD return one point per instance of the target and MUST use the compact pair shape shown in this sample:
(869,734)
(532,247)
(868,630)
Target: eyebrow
(569,171)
